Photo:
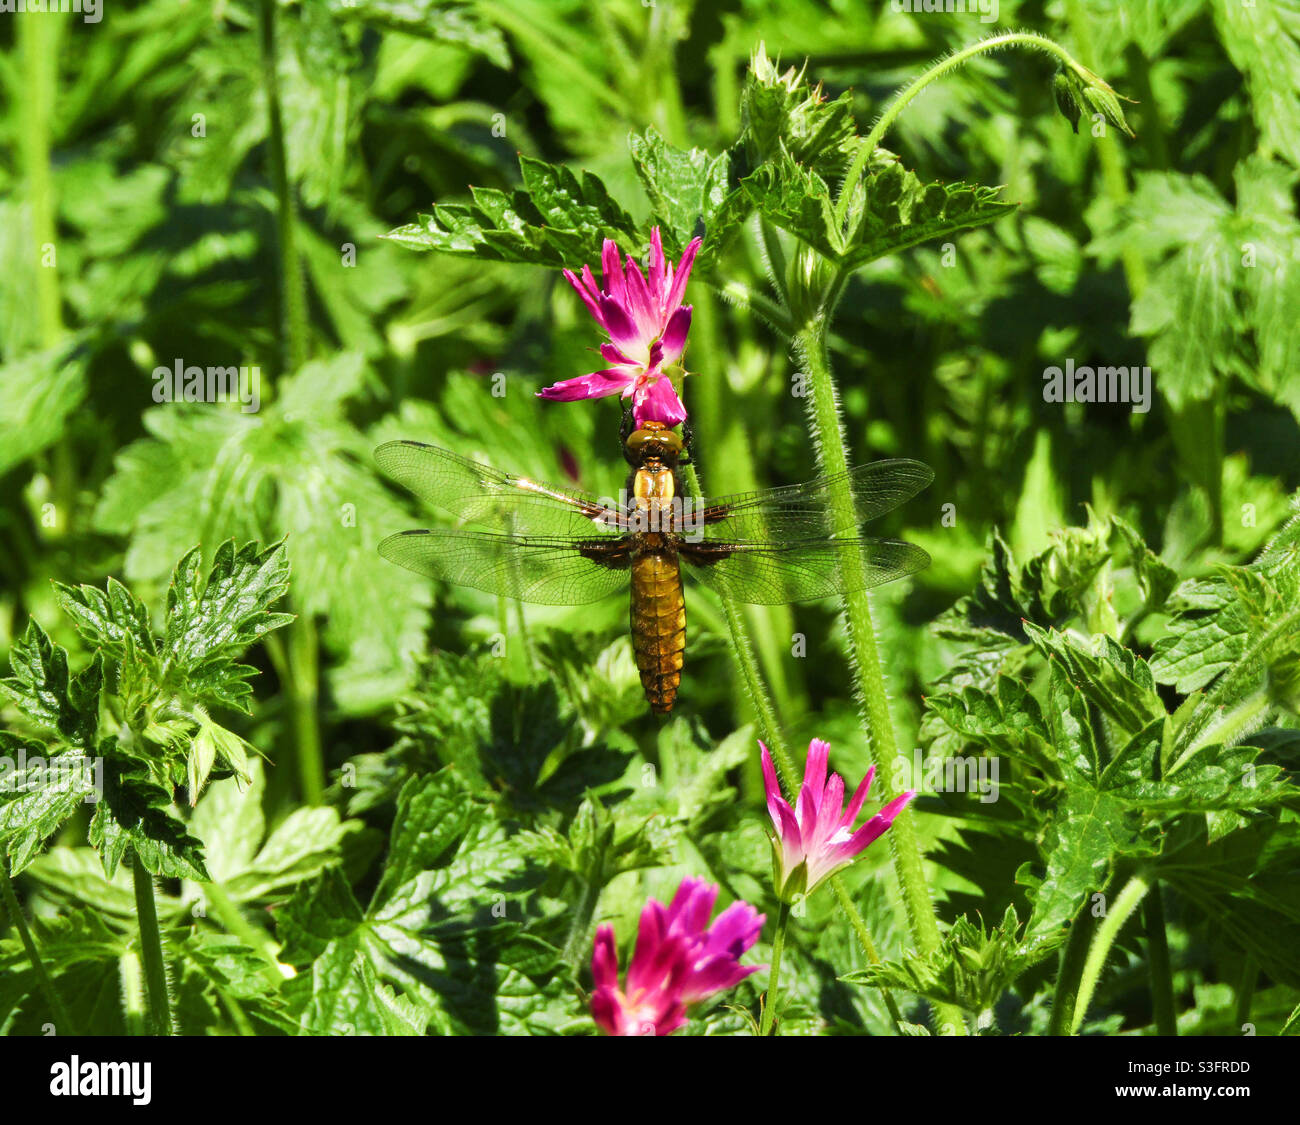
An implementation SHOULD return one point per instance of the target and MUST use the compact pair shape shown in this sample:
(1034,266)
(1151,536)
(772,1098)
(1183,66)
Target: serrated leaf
(61,704)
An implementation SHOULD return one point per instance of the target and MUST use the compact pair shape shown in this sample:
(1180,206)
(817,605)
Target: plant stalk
(828,435)
(774,977)
(912,89)
(151,951)
(1118,912)
(1162,975)
(62,1021)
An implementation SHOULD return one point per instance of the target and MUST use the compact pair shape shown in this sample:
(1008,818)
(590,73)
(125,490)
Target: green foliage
(133,723)
(363,804)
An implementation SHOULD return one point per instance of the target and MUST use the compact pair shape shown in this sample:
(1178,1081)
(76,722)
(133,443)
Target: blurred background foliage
(140,161)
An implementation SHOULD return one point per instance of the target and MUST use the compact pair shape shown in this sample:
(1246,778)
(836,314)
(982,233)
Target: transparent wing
(775,573)
(535,569)
(799,512)
(485,496)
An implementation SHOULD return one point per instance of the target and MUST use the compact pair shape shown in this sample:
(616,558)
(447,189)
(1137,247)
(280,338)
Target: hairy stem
(828,436)
(1068,973)
(774,977)
(769,730)
(910,91)
(151,951)
(132,980)
(62,1022)
(864,939)
(1118,912)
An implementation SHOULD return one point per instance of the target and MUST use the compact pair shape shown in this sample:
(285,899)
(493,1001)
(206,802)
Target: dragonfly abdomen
(658,626)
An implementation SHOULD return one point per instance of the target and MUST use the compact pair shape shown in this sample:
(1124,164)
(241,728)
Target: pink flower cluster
(647,325)
(816,838)
(679,960)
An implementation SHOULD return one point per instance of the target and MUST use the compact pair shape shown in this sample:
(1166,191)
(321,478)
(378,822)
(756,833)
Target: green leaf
(1115,680)
(62,704)
(1263,41)
(556,219)
(893,209)
(212,619)
(797,200)
(110,618)
(37,794)
(972,968)
(1239,614)
(457,24)
(135,813)
(690,191)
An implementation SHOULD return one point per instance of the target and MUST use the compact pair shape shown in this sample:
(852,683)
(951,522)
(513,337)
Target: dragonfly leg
(625,428)
(688,442)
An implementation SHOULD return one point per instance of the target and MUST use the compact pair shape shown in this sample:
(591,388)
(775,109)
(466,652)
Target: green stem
(40,52)
(62,1022)
(1119,912)
(905,96)
(1069,972)
(233,921)
(132,978)
(774,977)
(1112,165)
(1246,990)
(297,665)
(1162,975)
(293,294)
(769,730)
(864,939)
(151,951)
(828,435)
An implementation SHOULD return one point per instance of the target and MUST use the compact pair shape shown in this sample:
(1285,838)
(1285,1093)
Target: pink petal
(678,288)
(611,263)
(877,825)
(735,929)
(657,287)
(605,1010)
(658,402)
(620,326)
(643,309)
(586,288)
(674,337)
(691,906)
(773,789)
(814,780)
(596,385)
(617,358)
(604,959)
(860,795)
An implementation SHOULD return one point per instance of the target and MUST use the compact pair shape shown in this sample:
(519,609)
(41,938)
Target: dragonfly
(520,538)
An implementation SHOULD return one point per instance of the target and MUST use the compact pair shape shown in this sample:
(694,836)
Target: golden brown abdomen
(658,626)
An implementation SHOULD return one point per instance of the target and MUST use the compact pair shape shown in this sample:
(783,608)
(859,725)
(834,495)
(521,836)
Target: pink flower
(680,960)
(816,839)
(647,326)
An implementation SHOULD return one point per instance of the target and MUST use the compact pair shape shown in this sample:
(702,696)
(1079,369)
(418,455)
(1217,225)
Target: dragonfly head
(655,441)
